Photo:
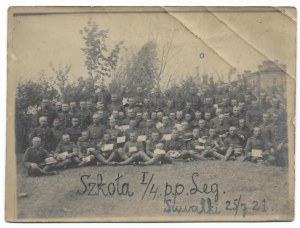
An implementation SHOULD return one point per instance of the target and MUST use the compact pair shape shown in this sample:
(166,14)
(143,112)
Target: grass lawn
(262,190)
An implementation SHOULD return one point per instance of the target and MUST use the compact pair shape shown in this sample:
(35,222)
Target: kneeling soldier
(34,159)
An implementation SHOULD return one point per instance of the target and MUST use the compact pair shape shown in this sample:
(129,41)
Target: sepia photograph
(150,114)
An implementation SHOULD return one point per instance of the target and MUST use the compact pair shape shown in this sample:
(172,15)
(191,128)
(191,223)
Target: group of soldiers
(137,127)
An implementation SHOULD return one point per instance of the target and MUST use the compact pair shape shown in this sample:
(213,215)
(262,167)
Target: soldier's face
(65,107)
(241,123)
(139,116)
(112,123)
(82,105)
(256,132)
(170,103)
(113,98)
(155,136)
(179,115)
(66,139)
(153,116)
(212,132)
(46,103)
(85,135)
(106,138)
(207,116)
(165,120)
(132,124)
(89,104)
(188,105)
(145,116)
(175,134)
(131,102)
(43,121)
(193,90)
(139,90)
(133,137)
(236,111)
(198,115)
(159,115)
(201,124)
(172,116)
(115,114)
(188,117)
(75,122)
(196,133)
(36,142)
(58,106)
(232,131)
(266,118)
(275,118)
(146,101)
(234,102)
(56,123)
(121,115)
(72,105)
(130,113)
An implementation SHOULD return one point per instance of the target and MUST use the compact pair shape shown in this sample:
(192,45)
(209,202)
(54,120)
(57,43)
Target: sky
(225,37)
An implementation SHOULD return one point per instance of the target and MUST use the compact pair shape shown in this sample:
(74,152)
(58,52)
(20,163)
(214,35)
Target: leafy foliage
(100,62)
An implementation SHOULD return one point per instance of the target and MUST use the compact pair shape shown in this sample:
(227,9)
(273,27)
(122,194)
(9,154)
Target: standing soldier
(157,101)
(65,117)
(44,133)
(73,109)
(254,116)
(116,104)
(47,111)
(85,116)
(147,107)
(196,102)
(178,100)
(58,107)
(235,118)
(276,108)
(103,95)
(198,116)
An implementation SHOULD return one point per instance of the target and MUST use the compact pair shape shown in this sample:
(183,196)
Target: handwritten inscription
(206,198)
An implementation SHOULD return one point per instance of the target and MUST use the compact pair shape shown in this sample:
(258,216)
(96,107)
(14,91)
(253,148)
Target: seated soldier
(132,127)
(96,129)
(179,117)
(143,122)
(233,144)
(172,118)
(138,118)
(214,146)
(215,120)
(176,147)
(159,116)
(256,142)
(188,118)
(106,150)
(154,149)
(75,130)
(133,151)
(34,159)
(85,147)
(194,146)
(66,153)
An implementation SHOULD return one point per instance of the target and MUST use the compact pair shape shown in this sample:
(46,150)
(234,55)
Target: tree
(61,78)
(142,69)
(100,62)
